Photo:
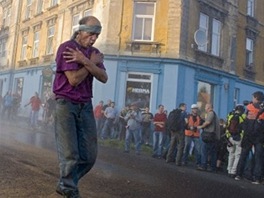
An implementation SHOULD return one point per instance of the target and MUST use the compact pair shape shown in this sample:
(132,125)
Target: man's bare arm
(75,77)
(76,55)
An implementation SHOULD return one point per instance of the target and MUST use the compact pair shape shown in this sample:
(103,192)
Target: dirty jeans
(34,118)
(76,141)
(197,149)
(136,136)
(158,141)
(177,141)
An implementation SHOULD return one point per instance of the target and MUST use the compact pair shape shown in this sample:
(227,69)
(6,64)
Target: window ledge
(143,46)
(47,57)
(22,63)
(249,72)
(25,20)
(209,59)
(252,21)
(38,14)
(53,7)
(33,61)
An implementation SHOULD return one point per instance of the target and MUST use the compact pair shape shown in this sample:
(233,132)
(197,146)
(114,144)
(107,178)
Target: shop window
(205,94)
(138,89)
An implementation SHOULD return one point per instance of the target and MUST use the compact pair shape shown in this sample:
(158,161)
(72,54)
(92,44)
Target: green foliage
(120,144)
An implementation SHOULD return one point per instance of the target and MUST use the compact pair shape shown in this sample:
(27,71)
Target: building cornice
(5,3)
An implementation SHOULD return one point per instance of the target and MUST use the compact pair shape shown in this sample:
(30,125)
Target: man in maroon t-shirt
(159,121)
(78,63)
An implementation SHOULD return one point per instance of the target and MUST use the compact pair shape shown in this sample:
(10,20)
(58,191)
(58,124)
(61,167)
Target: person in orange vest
(253,138)
(192,134)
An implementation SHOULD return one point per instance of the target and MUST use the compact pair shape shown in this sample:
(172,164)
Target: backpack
(174,120)
(234,126)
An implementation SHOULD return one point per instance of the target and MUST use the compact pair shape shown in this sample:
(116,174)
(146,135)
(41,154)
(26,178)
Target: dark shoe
(232,175)
(178,164)
(200,168)
(256,182)
(72,194)
(137,153)
(238,178)
(59,190)
(219,169)
(155,156)
(126,151)
(212,170)
(169,161)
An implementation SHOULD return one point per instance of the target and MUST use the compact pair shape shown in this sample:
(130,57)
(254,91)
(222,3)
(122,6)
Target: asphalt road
(29,168)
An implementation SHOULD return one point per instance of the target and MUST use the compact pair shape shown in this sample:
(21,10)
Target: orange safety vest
(253,112)
(191,123)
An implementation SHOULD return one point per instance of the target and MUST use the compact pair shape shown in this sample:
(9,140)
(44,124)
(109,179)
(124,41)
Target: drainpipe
(121,26)
(13,62)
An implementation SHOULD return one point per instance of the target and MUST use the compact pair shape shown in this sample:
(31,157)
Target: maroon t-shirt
(61,86)
(160,117)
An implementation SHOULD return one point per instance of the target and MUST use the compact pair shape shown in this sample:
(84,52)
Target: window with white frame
(203,25)
(28,9)
(249,52)
(236,96)
(7,16)
(53,3)
(24,48)
(250,7)
(75,22)
(76,18)
(143,23)
(19,85)
(87,12)
(205,94)
(2,47)
(39,6)
(36,45)
(213,28)
(138,89)
(216,36)
(50,36)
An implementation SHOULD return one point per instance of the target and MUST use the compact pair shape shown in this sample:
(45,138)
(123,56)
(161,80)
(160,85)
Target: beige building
(156,51)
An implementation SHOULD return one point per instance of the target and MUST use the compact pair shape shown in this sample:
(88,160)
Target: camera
(193,128)
(261,105)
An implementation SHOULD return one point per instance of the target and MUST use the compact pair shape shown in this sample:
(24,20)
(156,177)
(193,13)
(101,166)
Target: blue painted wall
(174,81)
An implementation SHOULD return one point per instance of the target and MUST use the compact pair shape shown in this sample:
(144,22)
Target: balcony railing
(249,72)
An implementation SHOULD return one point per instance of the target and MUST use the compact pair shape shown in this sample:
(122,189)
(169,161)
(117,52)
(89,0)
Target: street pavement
(29,168)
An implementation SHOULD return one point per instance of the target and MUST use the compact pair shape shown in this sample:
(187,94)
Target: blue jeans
(146,130)
(108,126)
(258,159)
(99,125)
(197,149)
(136,136)
(158,141)
(76,141)
(208,149)
(34,118)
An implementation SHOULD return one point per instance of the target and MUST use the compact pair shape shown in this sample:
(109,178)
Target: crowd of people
(233,145)
(9,105)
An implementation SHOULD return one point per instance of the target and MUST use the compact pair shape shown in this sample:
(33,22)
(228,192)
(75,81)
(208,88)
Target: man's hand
(97,58)
(74,55)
